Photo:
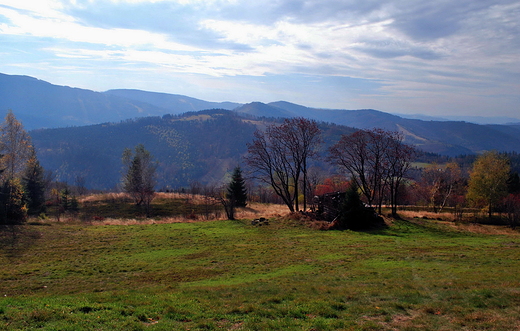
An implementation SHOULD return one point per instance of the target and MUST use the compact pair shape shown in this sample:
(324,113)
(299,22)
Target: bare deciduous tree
(439,183)
(376,160)
(398,158)
(279,157)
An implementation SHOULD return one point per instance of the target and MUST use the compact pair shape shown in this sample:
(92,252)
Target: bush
(354,215)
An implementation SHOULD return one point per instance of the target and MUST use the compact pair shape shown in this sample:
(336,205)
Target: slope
(173,103)
(443,137)
(39,104)
(193,147)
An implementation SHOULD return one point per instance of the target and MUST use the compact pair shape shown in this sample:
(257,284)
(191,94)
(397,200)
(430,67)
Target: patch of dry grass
(449,220)
(118,209)
(267,210)
(484,228)
(255,210)
(408,214)
(103,197)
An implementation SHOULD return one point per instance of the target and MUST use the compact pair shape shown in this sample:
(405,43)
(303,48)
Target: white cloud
(442,49)
(65,28)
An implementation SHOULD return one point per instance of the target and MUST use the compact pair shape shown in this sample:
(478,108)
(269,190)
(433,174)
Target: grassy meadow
(417,274)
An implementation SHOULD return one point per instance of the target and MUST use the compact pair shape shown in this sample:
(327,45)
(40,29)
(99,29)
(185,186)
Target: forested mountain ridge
(196,146)
(443,137)
(173,103)
(192,147)
(199,146)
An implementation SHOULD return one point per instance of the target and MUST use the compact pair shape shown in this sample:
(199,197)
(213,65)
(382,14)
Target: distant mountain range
(443,137)
(470,119)
(39,104)
(172,103)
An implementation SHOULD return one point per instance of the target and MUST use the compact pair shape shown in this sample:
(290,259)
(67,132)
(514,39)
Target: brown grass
(484,228)
(257,210)
(267,210)
(466,225)
(407,214)
(253,210)
(103,197)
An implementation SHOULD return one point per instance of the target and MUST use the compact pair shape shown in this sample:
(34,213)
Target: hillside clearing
(416,275)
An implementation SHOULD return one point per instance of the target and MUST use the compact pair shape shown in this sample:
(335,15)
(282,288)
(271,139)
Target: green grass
(233,276)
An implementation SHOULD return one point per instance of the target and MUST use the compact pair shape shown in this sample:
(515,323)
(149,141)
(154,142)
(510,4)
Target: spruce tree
(237,191)
(12,206)
(34,186)
(354,214)
(139,176)
(65,198)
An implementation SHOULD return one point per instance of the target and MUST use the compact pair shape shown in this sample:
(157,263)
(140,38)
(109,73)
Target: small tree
(13,208)
(33,182)
(439,184)
(488,180)
(139,176)
(236,190)
(56,201)
(511,205)
(65,199)
(15,145)
(229,206)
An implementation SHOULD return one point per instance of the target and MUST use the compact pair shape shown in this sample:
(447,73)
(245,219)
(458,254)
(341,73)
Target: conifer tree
(33,182)
(65,198)
(139,176)
(237,191)
(12,206)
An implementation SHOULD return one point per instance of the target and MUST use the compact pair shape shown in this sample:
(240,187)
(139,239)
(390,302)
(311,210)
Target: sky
(436,57)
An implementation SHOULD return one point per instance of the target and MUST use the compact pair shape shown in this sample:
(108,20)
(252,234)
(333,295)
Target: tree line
(282,158)
(22,183)
(376,161)
(380,166)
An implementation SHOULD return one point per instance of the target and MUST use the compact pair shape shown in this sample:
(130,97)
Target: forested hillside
(443,137)
(193,147)
(173,103)
(39,104)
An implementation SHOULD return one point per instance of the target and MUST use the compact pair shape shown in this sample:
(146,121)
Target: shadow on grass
(16,239)
(403,227)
